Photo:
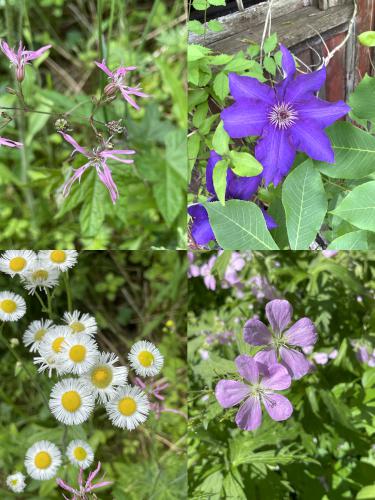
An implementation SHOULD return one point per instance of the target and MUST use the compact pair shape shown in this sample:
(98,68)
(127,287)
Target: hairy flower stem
(68,290)
(33,379)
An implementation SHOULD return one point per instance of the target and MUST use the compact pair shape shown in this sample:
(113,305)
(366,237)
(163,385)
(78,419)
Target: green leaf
(216,3)
(221,85)
(196,52)
(168,194)
(270,43)
(253,50)
(220,140)
(358,207)
(175,153)
(362,100)
(368,378)
(240,225)
(366,493)
(354,152)
(200,4)
(196,27)
(215,26)
(219,178)
(232,488)
(221,263)
(305,205)
(270,65)
(367,38)
(356,240)
(193,149)
(93,209)
(244,164)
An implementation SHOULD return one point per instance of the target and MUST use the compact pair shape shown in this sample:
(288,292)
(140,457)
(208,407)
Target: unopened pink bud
(20,73)
(110,89)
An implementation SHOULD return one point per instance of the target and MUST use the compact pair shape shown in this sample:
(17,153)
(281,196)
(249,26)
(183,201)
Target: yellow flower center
(71,401)
(42,460)
(101,377)
(77,327)
(127,406)
(58,256)
(17,264)
(40,275)
(79,453)
(8,306)
(145,358)
(39,334)
(56,344)
(77,353)
(14,481)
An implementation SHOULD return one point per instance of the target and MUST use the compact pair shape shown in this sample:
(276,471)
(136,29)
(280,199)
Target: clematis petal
(201,230)
(305,85)
(295,362)
(211,163)
(312,140)
(276,152)
(247,368)
(245,117)
(321,112)
(266,357)
(230,392)
(270,221)
(246,87)
(279,314)
(277,378)
(302,333)
(241,188)
(255,332)
(249,416)
(287,62)
(278,406)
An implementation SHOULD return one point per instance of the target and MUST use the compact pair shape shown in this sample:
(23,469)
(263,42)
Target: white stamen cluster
(283,115)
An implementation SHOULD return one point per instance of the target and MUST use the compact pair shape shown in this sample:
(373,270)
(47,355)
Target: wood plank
(336,74)
(292,28)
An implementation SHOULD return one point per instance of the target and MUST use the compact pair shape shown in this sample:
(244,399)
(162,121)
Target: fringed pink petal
(104,68)
(30,55)
(75,144)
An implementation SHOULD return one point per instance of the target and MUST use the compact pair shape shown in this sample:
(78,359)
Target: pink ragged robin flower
(9,143)
(116,83)
(83,490)
(20,58)
(97,158)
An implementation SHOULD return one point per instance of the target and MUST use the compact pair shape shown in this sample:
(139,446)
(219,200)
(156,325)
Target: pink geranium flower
(10,143)
(116,82)
(98,159)
(20,58)
(280,342)
(259,386)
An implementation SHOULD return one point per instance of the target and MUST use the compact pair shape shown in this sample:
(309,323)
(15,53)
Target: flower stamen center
(282,115)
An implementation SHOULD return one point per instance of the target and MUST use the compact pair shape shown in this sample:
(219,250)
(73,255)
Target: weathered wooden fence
(302,25)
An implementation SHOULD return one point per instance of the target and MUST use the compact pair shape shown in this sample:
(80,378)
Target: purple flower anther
(279,342)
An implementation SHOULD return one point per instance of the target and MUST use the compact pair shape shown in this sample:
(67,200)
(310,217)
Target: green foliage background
(151,208)
(325,450)
(132,295)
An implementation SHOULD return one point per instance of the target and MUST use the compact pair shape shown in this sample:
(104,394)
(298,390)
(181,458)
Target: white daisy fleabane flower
(71,402)
(16,482)
(81,323)
(14,262)
(78,354)
(145,359)
(50,348)
(12,306)
(42,460)
(40,274)
(80,453)
(61,259)
(35,333)
(103,378)
(128,408)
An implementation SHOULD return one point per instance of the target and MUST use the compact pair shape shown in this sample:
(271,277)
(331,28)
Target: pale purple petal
(65,486)
(105,175)
(76,176)
(302,333)
(246,87)
(278,406)
(249,416)
(92,475)
(277,378)
(104,68)
(113,157)
(312,140)
(266,357)
(127,98)
(11,55)
(247,367)
(75,144)
(245,117)
(9,143)
(320,358)
(279,314)
(118,152)
(230,392)
(135,91)
(276,152)
(256,333)
(98,485)
(295,362)
(30,55)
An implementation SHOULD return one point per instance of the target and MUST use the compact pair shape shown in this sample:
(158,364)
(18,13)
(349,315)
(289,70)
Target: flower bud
(110,89)
(20,73)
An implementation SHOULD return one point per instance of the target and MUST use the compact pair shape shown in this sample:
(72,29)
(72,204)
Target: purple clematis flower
(9,143)
(260,383)
(238,188)
(20,58)
(97,158)
(287,118)
(116,79)
(301,334)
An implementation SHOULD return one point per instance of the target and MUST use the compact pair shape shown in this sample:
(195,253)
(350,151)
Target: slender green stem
(99,9)
(24,366)
(42,303)
(150,18)
(49,306)
(68,290)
